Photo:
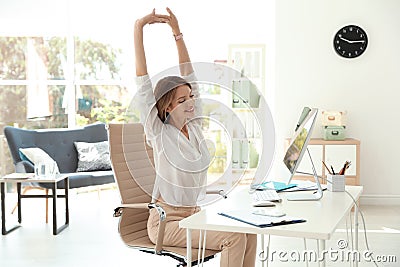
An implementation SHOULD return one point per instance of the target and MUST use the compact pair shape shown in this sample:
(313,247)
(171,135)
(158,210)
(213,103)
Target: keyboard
(266,195)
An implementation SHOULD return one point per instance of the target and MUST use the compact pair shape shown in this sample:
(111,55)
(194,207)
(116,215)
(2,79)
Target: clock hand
(345,39)
(352,42)
(359,41)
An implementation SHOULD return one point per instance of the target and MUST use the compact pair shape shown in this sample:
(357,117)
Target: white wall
(310,73)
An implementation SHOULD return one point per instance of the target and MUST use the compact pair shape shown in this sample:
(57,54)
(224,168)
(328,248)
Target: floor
(92,238)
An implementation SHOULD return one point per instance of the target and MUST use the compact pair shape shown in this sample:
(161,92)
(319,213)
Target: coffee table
(20,178)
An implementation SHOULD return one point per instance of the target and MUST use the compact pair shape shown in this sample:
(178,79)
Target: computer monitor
(296,150)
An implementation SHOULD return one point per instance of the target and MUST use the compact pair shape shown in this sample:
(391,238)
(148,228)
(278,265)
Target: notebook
(247,216)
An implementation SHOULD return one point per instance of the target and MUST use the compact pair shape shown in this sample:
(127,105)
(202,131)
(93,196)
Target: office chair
(132,161)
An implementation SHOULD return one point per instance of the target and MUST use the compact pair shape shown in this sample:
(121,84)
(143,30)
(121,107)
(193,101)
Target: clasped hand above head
(153,17)
(172,21)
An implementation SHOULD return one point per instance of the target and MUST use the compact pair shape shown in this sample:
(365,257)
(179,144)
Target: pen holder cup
(336,183)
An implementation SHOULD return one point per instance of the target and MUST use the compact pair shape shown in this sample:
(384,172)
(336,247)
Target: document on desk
(247,216)
(277,186)
(303,186)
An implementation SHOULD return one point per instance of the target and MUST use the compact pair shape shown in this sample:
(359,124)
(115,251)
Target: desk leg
(56,230)
(262,250)
(19,202)
(321,246)
(189,247)
(4,231)
(54,189)
(356,232)
(3,213)
(66,186)
(305,249)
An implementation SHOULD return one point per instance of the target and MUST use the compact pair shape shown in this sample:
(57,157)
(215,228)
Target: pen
(333,171)
(348,165)
(341,172)
(323,162)
(345,167)
(324,189)
(287,187)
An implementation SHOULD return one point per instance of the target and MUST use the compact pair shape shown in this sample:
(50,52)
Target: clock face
(350,41)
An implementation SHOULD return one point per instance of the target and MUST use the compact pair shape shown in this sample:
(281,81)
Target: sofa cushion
(93,156)
(83,179)
(36,155)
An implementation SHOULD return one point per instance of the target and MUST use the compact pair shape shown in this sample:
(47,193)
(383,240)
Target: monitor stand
(307,196)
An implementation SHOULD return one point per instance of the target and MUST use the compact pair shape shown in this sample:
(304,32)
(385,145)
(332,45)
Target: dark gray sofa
(59,144)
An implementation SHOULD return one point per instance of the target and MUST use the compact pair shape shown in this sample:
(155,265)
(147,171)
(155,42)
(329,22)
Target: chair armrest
(161,226)
(24,166)
(217,192)
(118,210)
(162,216)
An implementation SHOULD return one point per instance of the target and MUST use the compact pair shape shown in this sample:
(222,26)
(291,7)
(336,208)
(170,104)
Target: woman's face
(182,105)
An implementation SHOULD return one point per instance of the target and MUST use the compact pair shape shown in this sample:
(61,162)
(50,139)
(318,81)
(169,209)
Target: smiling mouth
(190,110)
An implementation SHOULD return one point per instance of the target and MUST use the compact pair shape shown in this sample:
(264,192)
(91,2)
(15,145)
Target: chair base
(181,260)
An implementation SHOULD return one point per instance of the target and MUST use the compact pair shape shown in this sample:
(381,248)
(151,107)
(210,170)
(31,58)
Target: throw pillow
(36,155)
(23,157)
(93,156)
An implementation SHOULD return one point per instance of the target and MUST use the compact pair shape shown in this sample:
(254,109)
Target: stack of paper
(302,185)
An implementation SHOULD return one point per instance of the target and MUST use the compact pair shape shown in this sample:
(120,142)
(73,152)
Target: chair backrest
(133,166)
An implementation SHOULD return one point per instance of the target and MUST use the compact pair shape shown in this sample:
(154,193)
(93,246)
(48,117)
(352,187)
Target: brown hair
(164,92)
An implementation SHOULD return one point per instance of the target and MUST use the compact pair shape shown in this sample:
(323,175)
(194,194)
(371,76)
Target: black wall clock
(350,41)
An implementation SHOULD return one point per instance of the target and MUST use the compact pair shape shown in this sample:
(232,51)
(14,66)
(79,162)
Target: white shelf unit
(333,153)
(249,62)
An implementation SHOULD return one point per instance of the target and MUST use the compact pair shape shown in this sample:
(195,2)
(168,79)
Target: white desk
(322,217)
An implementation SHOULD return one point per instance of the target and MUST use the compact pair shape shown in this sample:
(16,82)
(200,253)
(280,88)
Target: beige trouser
(237,250)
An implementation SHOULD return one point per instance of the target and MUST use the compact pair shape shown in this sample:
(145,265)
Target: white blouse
(181,163)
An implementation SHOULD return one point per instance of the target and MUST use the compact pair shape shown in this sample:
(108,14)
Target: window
(37,90)
(34,81)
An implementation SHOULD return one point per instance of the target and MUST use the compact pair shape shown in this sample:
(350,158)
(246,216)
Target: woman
(180,154)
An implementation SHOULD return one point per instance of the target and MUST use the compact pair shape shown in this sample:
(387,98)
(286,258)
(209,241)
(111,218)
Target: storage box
(336,183)
(333,118)
(335,133)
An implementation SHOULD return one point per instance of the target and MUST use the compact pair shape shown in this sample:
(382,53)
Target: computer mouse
(263,203)
(269,212)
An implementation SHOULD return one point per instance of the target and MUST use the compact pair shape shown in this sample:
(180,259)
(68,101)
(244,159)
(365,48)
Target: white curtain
(37,103)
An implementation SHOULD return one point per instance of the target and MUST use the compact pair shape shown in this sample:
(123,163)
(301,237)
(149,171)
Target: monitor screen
(298,143)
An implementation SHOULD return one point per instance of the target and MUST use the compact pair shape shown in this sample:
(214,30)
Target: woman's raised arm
(185,65)
(140,57)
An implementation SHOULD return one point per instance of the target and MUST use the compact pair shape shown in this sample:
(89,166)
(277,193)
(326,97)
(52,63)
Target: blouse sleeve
(146,103)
